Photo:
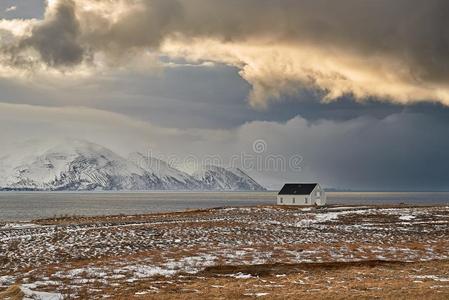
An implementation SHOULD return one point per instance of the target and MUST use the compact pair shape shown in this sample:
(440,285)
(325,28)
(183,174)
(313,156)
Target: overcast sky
(357,88)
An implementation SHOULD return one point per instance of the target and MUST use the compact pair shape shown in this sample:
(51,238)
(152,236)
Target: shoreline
(31,206)
(331,207)
(75,217)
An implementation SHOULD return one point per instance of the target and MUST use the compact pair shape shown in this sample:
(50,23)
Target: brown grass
(273,269)
(222,233)
(12,293)
(355,280)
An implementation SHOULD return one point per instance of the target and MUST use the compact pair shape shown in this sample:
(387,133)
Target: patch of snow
(325,217)
(257,294)
(432,277)
(35,295)
(41,283)
(141,293)
(348,208)
(241,276)
(406,217)
(142,271)
(7,280)
(19,226)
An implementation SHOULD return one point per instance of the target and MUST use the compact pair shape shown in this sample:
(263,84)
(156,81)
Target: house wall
(293,200)
(317,197)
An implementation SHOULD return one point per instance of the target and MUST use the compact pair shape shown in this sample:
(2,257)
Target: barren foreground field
(231,253)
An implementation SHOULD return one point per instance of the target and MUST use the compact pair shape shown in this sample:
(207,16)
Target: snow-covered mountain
(219,178)
(170,178)
(79,165)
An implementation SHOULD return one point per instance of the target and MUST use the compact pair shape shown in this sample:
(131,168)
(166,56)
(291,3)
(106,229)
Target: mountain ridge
(84,166)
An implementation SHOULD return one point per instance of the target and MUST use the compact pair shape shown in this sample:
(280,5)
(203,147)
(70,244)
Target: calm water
(29,206)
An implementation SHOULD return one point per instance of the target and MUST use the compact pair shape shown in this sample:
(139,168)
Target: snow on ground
(406,218)
(129,249)
(34,295)
(18,226)
(432,277)
(7,280)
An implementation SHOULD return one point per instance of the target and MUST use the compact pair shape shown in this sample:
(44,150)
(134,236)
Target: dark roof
(297,188)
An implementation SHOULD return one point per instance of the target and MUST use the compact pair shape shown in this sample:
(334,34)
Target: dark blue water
(29,206)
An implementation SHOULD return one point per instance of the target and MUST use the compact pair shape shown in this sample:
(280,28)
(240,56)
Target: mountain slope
(76,165)
(229,179)
(170,178)
(80,166)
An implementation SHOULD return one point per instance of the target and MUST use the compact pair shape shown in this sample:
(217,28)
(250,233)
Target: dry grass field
(231,253)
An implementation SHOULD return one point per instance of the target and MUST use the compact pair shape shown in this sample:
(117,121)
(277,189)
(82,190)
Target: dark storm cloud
(404,151)
(414,31)
(57,39)
(394,50)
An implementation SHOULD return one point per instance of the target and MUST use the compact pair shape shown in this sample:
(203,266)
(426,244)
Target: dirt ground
(363,280)
(268,252)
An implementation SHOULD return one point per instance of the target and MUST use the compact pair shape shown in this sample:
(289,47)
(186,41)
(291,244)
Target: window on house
(293,199)
(281,199)
(318,193)
(306,200)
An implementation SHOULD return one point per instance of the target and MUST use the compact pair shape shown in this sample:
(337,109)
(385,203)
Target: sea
(27,206)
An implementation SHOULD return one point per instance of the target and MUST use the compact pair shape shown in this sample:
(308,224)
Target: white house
(302,194)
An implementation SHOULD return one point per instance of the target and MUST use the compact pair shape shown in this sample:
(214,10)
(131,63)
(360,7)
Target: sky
(353,94)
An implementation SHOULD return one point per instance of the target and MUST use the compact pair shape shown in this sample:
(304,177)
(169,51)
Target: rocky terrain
(253,252)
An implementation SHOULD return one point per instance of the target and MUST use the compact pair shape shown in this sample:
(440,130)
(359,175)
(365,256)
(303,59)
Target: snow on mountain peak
(220,178)
(82,165)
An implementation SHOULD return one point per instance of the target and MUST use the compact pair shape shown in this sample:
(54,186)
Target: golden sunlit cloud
(365,49)
(274,71)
